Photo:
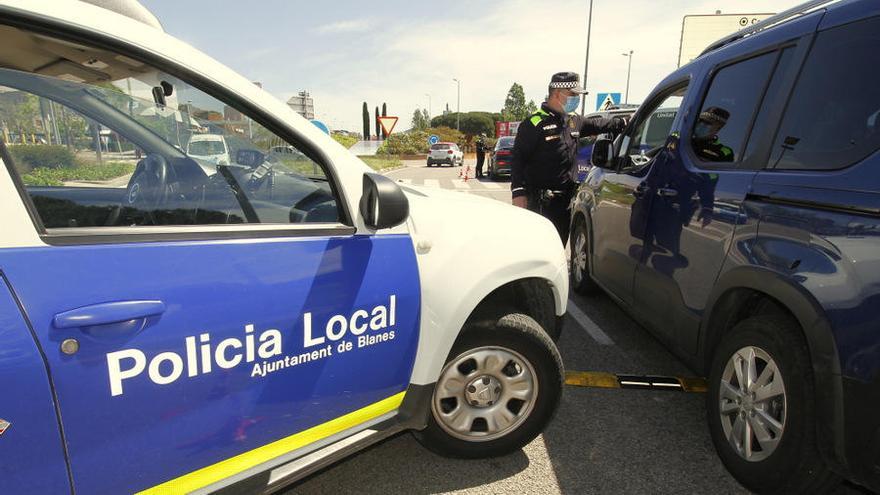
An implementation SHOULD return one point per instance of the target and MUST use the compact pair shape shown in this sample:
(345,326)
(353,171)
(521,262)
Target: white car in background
(445,153)
(208,147)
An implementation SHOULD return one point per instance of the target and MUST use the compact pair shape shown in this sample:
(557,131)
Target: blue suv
(749,241)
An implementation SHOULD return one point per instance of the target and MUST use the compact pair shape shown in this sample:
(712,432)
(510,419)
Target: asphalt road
(601,441)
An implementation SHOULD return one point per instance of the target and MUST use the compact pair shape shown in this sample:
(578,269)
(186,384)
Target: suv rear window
(833,118)
(726,115)
(440,147)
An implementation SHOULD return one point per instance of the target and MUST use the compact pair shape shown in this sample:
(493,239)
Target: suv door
(199,319)
(696,199)
(619,210)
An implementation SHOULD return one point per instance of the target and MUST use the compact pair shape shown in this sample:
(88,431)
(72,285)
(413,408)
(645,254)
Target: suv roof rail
(769,22)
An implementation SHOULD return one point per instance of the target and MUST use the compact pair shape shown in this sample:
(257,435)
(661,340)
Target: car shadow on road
(402,465)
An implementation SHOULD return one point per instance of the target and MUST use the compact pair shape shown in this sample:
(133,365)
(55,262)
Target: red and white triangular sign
(387,123)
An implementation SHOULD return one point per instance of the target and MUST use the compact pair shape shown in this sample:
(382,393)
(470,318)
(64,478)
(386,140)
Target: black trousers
(481,157)
(555,209)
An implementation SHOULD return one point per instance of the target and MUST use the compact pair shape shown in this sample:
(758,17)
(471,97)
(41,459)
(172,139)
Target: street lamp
(587,58)
(628,71)
(429,105)
(458,106)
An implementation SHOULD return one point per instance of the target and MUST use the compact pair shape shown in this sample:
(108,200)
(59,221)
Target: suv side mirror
(383,204)
(602,150)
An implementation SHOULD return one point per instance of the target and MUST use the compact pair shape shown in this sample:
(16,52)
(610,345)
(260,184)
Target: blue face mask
(572,103)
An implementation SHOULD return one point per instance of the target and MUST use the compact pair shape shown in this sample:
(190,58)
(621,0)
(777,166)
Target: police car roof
(131,9)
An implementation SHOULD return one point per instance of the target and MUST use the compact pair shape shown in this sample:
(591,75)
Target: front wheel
(498,390)
(761,408)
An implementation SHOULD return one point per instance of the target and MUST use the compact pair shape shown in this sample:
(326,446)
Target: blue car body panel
(31,446)
(141,432)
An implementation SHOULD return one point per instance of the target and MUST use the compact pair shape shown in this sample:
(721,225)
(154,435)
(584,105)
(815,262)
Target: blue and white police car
(173,325)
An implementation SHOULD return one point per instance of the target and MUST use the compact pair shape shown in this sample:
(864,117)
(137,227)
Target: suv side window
(123,144)
(651,132)
(833,117)
(722,126)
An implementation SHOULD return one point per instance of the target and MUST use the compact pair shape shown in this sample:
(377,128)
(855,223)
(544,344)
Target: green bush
(41,156)
(345,140)
(405,143)
(44,176)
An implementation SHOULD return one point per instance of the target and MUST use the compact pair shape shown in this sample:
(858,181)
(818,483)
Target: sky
(398,52)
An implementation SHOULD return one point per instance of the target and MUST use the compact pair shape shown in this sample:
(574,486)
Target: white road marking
(589,325)
(432,183)
(460,184)
(492,185)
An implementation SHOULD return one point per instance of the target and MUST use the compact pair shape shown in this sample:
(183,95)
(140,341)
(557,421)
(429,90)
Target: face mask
(572,103)
(703,131)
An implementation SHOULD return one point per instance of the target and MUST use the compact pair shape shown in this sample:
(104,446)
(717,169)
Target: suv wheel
(761,410)
(498,390)
(579,269)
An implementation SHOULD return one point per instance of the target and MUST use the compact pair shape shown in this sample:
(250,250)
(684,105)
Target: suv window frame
(119,235)
(758,160)
(708,80)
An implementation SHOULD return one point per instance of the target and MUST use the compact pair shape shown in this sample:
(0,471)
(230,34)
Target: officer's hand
(521,201)
(620,122)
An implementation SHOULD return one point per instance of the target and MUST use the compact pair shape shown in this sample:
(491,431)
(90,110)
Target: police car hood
(486,226)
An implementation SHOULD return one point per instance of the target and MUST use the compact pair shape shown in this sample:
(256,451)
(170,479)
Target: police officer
(544,167)
(481,154)
(705,140)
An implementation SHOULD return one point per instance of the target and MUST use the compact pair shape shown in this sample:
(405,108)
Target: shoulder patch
(535,120)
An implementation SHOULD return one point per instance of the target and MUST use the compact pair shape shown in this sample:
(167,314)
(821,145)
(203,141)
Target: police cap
(567,80)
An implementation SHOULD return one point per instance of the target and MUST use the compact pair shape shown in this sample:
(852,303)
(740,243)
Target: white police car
(171,325)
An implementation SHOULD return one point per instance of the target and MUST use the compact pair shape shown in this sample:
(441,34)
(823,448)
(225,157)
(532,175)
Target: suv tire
(581,280)
(504,375)
(769,354)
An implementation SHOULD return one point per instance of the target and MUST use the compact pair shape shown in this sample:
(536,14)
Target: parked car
(445,153)
(501,158)
(166,330)
(210,148)
(750,241)
(585,145)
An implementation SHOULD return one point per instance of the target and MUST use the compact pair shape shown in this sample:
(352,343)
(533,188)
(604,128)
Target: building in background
(303,104)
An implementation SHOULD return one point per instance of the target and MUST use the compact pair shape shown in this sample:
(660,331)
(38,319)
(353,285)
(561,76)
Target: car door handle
(107,313)
(667,192)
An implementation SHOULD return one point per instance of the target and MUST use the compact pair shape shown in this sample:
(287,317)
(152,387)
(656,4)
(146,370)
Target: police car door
(200,315)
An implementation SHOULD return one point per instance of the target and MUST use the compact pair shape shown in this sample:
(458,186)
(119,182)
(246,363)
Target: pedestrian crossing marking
(492,185)
(460,184)
(432,183)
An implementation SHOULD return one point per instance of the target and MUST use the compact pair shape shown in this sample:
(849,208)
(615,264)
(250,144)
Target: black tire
(522,335)
(795,465)
(581,279)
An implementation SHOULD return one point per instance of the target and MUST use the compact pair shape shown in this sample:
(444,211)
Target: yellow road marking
(598,379)
(234,465)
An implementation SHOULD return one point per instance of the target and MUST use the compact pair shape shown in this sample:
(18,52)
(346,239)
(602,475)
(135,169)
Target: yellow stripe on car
(242,462)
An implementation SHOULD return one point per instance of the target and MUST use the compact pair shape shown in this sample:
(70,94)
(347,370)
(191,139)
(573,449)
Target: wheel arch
(747,291)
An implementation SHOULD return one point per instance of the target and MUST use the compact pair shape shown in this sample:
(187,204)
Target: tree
(366,116)
(376,123)
(420,120)
(384,114)
(472,123)
(515,106)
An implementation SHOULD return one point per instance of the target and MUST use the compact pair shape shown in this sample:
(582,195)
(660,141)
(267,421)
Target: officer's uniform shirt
(545,149)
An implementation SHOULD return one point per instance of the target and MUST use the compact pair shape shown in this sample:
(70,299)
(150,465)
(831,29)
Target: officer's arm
(595,126)
(523,149)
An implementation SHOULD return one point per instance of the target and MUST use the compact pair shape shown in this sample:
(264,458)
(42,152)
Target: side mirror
(602,150)
(383,204)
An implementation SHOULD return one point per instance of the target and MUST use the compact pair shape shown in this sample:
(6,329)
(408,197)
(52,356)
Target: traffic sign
(434,139)
(604,101)
(387,123)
